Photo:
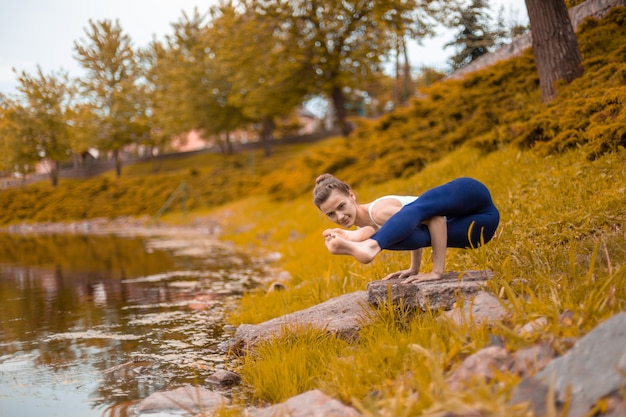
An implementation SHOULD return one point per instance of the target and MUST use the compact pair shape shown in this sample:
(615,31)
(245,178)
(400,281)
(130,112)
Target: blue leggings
(465,202)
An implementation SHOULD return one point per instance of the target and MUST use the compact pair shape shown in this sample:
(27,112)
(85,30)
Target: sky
(43,32)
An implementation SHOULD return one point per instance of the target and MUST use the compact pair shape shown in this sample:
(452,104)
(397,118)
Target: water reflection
(89,322)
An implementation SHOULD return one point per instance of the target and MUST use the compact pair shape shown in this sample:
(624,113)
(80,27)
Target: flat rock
(182,399)
(482,307)
(308,404)
(592,370)
(481,364)
(439,294)
(342,316)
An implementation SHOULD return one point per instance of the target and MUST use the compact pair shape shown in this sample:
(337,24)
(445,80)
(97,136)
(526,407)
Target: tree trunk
(229,144)
(157,161)
(407,73)
(224,143)
(54,173)
(555,47)
(339,101)
(267,129)
(118,163)
(396,83)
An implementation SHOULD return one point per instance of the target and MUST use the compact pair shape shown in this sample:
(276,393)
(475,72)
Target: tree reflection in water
(129,316)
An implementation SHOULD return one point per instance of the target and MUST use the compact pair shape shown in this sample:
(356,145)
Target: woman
(459,214)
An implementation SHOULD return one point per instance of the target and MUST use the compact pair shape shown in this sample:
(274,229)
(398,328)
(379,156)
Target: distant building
(192,141)
(307,123)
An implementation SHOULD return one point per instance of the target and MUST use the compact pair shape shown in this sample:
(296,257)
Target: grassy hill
(490,109)
(556,172)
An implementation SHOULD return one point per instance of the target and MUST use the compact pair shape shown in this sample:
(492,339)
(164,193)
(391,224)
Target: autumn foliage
(489,110)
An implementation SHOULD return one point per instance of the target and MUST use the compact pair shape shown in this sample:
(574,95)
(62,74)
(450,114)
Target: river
(90,323)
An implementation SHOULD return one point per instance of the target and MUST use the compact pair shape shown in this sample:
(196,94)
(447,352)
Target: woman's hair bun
(323,178)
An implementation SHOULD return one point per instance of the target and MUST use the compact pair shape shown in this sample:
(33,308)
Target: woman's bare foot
(429,276)
(363,252)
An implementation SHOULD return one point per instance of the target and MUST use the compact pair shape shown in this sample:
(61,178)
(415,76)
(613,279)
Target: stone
(439,294)
(342,316)
(534,393)
(276,286)
(185,399)
(534,327)
(312,403)
(592,370)
(616,406)
(223,378)
(483,307)
(481,365)
(531,360)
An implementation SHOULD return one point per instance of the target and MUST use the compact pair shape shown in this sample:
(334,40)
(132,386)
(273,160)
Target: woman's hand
(429,276)
(401,274)
(351,235)
(333,233)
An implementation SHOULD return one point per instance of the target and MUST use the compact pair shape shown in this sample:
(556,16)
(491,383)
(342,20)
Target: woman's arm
(439,240)
(416,261)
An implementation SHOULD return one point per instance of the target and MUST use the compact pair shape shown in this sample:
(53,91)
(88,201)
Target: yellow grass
(561,246)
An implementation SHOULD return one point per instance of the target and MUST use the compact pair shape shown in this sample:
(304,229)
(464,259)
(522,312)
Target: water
(90,323)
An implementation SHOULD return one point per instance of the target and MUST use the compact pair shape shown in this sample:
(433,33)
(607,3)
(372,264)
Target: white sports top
(403,199)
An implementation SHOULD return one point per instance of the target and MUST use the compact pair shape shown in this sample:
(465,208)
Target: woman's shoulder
(386,206)
(403,199)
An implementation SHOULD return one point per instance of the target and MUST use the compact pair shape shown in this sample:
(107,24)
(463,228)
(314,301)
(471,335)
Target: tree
(346,42)
(162,121)
(17,157)
(474,37)
(507,29)
(83,121)
(190,86)
(5,149)
(554,43)
(267,79)
(112,86)
(37,128)
(9,134)
(409,20)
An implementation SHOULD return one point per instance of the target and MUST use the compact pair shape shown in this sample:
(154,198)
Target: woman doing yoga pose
(458,214)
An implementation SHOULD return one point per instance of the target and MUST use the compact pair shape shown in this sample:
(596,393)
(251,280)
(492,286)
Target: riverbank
(120,225)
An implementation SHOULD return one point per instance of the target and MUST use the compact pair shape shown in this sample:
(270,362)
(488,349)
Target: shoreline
(126,226)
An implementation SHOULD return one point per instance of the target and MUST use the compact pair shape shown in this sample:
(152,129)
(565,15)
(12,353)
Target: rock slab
(439,294)
(343,316)
(183,399)
(592,370)
(483,307)
(312,403)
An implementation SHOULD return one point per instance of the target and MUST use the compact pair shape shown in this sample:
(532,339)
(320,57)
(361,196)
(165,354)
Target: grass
(561,247)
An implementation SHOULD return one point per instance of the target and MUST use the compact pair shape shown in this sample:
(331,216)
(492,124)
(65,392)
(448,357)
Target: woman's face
(340,208)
